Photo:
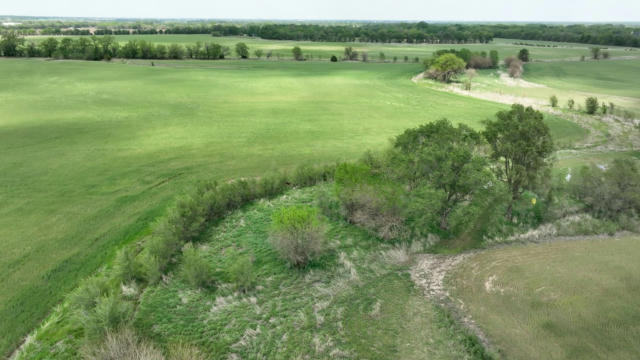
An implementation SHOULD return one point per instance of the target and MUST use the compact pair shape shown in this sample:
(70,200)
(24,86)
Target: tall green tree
(10,43)
(523,55)
(242,50)
(49,46)
(443,158)
(446,67)
(521,144)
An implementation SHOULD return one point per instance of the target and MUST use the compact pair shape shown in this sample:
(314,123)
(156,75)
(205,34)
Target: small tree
(334,58)
(406,58)
(595,53)
(553,101)
(521,143)
(591,105)
(493,55)
(604,107)
(445,67)
(49,46)
(365,56)
(10,43)
(515,68)
(471,73)
(258,53)
(395,59)
(195,269)
(582,58)
(523,55)
(571,104)
(297,234)
(605,55)
(382,57)
(242,50)
(350,54)
(297,53)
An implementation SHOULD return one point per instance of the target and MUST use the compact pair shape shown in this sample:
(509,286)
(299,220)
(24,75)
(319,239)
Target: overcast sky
(428,10)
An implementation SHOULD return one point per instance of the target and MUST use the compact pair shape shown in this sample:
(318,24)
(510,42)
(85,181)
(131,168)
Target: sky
(427,10)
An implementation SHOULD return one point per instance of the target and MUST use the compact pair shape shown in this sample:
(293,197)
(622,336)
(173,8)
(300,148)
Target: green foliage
(258,53)
(521,143)
(297,234)
(350,54)
(49,46)
(195,269)
(610,193)
(127,267)
(523,55)
(242,274)
(495,60)
(570,104)
(553,101)
(297,53)
(334,58)
(110,313)
(10,43)
(591,105)
(595,52)
(90,290)
(446,67)
(242,50)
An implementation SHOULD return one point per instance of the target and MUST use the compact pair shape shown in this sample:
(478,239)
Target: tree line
(421,32)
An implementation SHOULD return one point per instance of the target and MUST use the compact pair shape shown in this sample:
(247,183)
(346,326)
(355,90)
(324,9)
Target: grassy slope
(92,151)
(565,300)
(505,47)
(351,303)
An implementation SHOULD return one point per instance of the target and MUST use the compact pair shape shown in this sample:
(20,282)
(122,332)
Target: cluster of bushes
(448,180)
(445,65)
(593,106)
(103,304)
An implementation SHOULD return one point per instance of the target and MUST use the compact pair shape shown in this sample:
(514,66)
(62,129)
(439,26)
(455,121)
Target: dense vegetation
(421,32)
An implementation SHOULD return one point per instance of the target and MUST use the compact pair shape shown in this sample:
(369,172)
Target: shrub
(515,68)
(121,345)
(86,296)
(195,270)
(242,275)
(605,54)
(110,313)
(480,62)
(329,205)
(571,104)
(406,58)
(334,58)
(591,105)
(185,352)
(523,55)
(446,67)
(553,100)
(126,267)
(297,234)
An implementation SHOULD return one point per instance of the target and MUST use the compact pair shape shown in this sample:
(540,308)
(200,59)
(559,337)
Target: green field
(564,300)
(324,50)
(93,151)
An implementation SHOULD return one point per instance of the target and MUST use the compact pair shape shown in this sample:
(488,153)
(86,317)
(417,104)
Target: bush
(571,104)
(109,314)
(297,234)
(121,345)
(523,55)
(334,58)
(195,270)
(126,267)
(553,100)
(242,275)
(480,62)
(185,352)
(591,105)
(86,296)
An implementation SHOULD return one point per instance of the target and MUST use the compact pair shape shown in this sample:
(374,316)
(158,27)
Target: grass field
(608,80)
(563,300)
(356,302)
(93,151)
(324,50)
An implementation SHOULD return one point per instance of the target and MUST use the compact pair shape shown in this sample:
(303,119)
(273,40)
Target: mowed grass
(563,300)
(324,50)
(92,152)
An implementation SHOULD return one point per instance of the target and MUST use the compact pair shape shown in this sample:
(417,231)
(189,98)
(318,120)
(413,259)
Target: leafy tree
(521,144)
(523,55)
(350,54)
(382,57)
(66,47)
(493,55)
(297,53)
(258,53)
(406,58)
(176,51)
(334,58)
(591,105)
(553,101)
(605,55)
(570,104)
(10,43)
(595,53)
(443,158)
(445,67)
(242,50)
(49,46)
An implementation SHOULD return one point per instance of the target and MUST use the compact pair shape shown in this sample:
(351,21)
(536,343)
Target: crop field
(93,151)
(562,300)
(324,50)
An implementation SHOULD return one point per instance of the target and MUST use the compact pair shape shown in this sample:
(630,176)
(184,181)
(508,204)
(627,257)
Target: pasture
(92,152)
(562,300)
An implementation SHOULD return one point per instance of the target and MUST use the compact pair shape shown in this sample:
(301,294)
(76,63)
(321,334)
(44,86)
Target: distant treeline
(421,32)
